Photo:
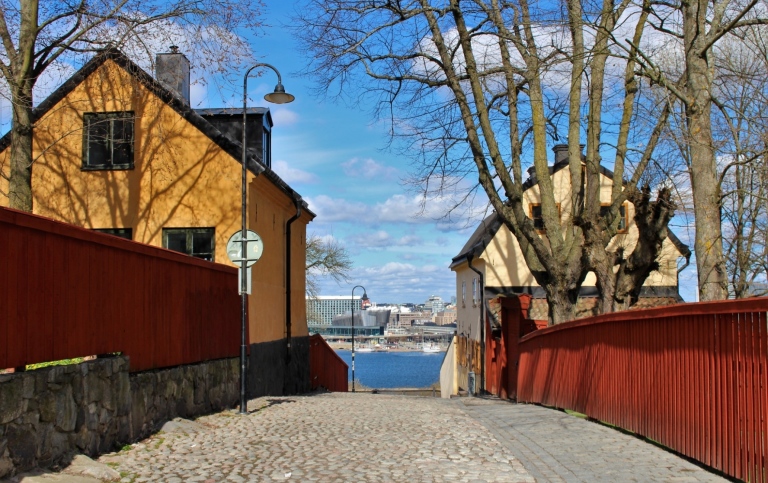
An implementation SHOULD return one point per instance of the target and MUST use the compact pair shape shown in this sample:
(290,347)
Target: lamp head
(279,96)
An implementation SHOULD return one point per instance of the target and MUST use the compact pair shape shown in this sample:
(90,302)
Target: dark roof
(215,111)
(228,145)
(532,180)
(480,239)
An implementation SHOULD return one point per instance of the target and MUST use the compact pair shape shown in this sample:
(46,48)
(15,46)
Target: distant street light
(279,96)
(364,299)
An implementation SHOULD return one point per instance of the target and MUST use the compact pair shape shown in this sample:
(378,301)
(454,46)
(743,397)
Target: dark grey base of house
(273,370)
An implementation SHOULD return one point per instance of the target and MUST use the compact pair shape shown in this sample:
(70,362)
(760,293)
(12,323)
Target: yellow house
(118,151)
(491,264)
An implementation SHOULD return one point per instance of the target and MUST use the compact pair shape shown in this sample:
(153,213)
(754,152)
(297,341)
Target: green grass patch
(62,362)
(577,414)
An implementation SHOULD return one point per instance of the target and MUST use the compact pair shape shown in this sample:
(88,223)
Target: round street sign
(254,247)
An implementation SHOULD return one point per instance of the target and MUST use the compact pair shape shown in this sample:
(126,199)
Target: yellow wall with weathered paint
(506,267)
(180,179)
(502,263)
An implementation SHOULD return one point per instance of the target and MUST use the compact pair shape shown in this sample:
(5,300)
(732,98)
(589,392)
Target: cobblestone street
(376,438)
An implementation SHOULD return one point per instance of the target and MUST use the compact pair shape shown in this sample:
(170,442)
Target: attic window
(622,216)
(538,219)
(108,140)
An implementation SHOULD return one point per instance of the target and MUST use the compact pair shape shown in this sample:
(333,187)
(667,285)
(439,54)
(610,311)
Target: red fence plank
(69,292)
(326,368)
(692,377)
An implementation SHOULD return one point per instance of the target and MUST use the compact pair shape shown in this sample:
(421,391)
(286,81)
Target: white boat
(431,349)
(364,349)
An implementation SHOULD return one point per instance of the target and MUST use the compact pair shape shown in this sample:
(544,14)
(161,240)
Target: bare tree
(478,88)
(36,35)
(325,258)
(740,126)
(698,26)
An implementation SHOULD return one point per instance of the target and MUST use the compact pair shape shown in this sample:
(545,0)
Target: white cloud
(398,208)
(369,169)
(383,239)
(283,116)
(292,175)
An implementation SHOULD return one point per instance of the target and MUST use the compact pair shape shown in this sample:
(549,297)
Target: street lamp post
(365,298)
(279,96)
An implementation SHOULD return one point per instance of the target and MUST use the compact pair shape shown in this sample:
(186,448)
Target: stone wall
(48,414)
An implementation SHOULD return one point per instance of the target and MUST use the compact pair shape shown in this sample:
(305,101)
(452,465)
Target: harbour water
(387,370)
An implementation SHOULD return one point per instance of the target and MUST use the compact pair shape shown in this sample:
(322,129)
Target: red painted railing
(69,292)
(326,368)
(692,377)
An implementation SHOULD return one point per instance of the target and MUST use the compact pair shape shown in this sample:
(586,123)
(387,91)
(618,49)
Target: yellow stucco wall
(503,265)
(180,179)
(506,267)
(468,312)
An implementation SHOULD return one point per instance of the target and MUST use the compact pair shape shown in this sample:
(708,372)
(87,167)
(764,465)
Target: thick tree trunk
(710,261)
(20,184)
(562,302)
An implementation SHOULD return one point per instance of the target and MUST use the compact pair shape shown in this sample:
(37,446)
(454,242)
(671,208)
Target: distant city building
(414,318)
(322,309)
(434,304)
(446,317)
(363,318)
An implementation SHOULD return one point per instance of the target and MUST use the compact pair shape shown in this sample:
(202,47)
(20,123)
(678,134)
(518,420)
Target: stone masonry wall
(48,414)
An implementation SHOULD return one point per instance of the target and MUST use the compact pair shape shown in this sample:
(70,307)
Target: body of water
(386,370)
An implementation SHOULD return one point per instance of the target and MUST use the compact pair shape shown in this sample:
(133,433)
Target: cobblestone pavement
(375,437)
(328,437)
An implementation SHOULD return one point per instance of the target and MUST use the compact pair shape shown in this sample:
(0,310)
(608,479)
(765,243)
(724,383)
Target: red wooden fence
(502,352)
(326,368)
(692,377)
(68,292)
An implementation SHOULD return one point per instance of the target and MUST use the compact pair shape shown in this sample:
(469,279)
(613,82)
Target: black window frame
(189,241)
(125,233)
(534,209)
(623,210)
(92,123)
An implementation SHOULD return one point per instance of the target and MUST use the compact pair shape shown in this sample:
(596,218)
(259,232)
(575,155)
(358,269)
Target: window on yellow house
(536,216)
(463,293)
(126,233)
(108,140)
(622,216)
(196,242)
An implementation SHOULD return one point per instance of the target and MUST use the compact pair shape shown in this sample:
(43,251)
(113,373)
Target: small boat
(365,349)
(431,349)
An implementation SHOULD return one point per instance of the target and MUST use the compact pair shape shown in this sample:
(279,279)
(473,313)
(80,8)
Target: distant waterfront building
(363,318)
(322,309)
(435,304)
(446,317)
(414,318)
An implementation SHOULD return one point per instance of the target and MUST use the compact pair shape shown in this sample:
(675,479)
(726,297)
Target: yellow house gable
(504,267)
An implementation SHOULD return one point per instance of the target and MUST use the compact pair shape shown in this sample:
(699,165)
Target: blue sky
(336,157)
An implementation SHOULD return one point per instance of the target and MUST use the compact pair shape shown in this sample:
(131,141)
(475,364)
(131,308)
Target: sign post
(244,251)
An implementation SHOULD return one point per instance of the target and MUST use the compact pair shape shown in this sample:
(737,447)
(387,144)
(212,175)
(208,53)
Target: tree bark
(20,183)
(710,261)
